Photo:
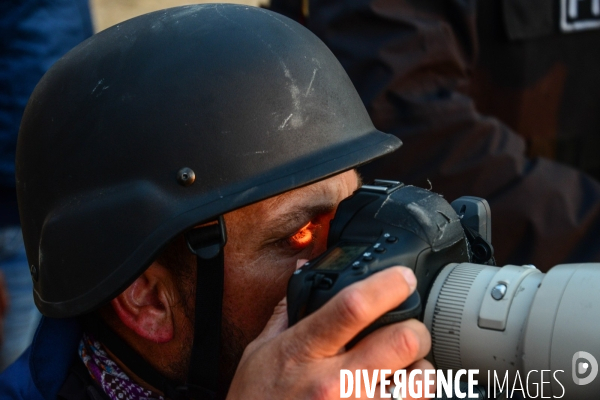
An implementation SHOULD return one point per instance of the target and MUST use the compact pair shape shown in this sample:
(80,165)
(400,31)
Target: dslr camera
(511,323)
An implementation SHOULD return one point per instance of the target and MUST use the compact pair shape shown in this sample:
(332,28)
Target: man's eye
(304,237)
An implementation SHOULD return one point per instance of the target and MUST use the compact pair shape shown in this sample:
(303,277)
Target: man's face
(265,240)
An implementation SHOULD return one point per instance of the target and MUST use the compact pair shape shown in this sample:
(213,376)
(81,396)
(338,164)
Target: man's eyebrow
(292,219)
(296,217)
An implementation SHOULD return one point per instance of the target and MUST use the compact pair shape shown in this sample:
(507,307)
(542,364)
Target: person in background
(33,35)
(537,71)
(412,63)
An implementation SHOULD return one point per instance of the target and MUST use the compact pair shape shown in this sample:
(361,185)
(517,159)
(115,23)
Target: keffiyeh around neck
(114,382)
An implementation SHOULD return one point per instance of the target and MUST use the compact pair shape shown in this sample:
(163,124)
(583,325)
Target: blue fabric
(33,35)
(41,371)
(22,317)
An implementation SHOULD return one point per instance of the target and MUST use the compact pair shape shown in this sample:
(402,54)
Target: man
(171,171)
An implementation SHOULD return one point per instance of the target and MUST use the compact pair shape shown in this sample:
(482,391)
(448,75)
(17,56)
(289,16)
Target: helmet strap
(207,243)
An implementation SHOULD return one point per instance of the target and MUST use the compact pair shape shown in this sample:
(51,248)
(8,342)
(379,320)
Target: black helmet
(168,120)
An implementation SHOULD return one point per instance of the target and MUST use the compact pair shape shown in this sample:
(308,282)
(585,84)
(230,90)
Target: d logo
(581,367)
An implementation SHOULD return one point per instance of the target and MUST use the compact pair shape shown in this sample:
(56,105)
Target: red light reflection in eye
(303,237)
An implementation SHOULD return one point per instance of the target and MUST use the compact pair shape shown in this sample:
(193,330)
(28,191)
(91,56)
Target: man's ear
(145,306)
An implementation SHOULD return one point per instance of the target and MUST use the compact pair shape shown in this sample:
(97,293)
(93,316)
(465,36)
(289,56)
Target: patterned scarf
(115,383)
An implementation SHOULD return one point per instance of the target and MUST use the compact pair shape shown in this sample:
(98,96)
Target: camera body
(514,321)
(379,226)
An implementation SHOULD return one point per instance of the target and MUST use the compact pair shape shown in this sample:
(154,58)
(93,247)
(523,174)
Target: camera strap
(481,251)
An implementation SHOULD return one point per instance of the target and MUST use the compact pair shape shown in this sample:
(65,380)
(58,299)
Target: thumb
(300,262)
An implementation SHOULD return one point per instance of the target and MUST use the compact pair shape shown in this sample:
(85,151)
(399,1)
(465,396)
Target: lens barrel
(519,320)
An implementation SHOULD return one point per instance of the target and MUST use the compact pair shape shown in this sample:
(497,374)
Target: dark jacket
(51,368)
(412,62)
(537,71)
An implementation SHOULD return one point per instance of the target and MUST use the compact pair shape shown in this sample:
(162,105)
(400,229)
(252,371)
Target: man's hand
(304,361)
